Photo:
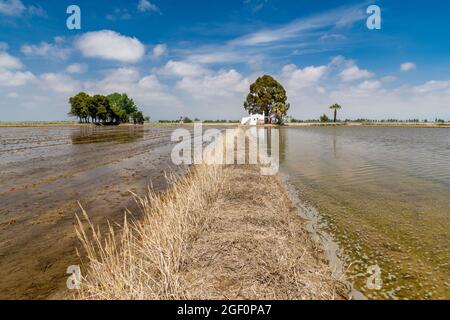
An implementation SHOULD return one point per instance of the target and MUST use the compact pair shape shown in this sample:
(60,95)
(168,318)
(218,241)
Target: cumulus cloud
(370,85)
(354,73)
(147,6)
(60,83)
(300,78)
(159,50)
(182,69)
(7,61)
(10,78)
(407,66)
(151,82)
(432,86)
(110,45)
(47,50)
(223,83)
(77,68)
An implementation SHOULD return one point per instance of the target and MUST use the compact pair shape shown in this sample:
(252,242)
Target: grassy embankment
(372,124)
(221,232)
(38,123)
(300,124)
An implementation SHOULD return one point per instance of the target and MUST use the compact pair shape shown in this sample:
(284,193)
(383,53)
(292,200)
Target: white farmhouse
(253,120)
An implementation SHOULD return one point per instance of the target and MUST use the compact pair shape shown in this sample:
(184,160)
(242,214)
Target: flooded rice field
(44,172)
(380,194)
(383,194)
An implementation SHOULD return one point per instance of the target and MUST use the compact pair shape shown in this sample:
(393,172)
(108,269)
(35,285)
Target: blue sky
(197,58)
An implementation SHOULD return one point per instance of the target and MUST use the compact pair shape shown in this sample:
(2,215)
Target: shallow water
(44,172)
(383,194)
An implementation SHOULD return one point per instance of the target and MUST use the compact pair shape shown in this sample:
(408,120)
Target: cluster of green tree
(324,118)
(115,108)
(269,97)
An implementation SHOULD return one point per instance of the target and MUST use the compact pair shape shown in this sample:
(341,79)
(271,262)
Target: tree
(79,105)
(324,118)
(138,117)
(92,108)
(267,96)
(124,103)
(103,109)
(335,107)
(114,108)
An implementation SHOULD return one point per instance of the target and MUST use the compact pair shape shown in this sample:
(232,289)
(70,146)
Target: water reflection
(383,194)
(96,134)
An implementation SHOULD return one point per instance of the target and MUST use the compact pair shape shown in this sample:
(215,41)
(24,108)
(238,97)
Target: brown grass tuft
(219,233)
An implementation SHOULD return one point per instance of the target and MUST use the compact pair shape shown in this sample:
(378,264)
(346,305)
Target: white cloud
(59,83)
(182,69)
(110,45)
(350,16)
(332,36)
(47,50)
(370,85)
(16,8)
(407,66)
(432,86)
(151,82)
(7,61)
(147,6)
(159,50)
(302,27)
(12,7)
(9,77)
(354,73)
(121,79)
(300,78)
(223,83)
(215,57)
(77,68)
(15,79)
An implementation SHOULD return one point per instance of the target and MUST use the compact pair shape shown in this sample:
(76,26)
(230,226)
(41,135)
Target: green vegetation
(324,118)
(269,97)
(335,107)
(115,108)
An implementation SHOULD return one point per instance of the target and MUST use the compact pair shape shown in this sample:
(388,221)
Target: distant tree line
(325,118)
(189,120)
(115,108)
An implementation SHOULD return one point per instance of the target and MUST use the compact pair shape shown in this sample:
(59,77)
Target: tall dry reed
(143,260)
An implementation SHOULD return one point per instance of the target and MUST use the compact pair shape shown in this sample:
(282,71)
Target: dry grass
(220,233)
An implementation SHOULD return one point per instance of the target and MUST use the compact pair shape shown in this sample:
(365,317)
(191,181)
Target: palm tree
(336,107)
